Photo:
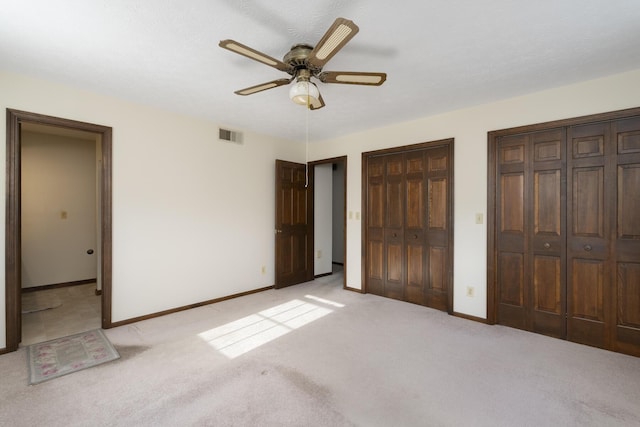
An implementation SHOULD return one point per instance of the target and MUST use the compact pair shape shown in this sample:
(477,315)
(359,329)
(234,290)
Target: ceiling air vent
(230,135)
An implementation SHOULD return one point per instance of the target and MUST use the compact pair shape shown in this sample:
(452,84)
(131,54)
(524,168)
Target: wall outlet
(319,254)
(471,291)
(479,218)
(264,269)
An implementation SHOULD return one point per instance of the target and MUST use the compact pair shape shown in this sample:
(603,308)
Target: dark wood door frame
(13,244)
(449,144)
(343,161)
(492,177)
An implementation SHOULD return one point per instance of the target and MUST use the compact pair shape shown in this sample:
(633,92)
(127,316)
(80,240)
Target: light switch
(478,218)
(358,216)
(350,214)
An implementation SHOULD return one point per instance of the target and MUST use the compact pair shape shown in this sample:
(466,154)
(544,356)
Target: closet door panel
(513,292)
(626,247)
(375,251)
(589,210)
(437,228)
(394,226)
(548,230)
(414,230)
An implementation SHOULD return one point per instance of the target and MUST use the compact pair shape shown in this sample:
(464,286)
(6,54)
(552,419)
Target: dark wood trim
(317,276)
(13,266)
(592,118)
(492,258)
(98,292)
(5,351)
(58,285)
(187,307)
(492,171)
(469,317)
(343,160)
(13,286)
(449,143)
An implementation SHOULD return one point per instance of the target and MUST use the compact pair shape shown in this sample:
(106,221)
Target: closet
(564,250)
(408,236)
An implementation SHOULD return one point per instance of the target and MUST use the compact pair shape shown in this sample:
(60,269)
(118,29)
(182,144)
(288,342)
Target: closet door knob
(547,245)
(415,236)
(587,248)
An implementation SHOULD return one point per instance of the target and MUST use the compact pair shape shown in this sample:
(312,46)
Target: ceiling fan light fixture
(304,93)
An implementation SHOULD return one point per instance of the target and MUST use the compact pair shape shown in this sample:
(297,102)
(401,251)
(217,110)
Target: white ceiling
(439,55)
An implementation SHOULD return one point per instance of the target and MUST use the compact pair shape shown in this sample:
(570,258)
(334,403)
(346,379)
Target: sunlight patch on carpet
(62,356)
(243,335)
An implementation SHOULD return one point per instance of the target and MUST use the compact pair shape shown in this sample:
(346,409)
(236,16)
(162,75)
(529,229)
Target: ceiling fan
(304,61)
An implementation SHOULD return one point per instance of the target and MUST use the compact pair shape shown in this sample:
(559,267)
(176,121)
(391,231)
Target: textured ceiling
(439,55)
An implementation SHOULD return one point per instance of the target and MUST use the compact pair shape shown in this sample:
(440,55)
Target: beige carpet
(316,355)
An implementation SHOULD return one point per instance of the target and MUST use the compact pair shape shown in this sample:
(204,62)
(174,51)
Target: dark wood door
(292,229)
(531,232)
(588,242)
(568,233)
(407,248)
(625,247)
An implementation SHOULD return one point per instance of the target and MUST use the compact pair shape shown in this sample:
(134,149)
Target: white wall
(193,217)
(58,209)
(469,127)
(323,218)
(190,225)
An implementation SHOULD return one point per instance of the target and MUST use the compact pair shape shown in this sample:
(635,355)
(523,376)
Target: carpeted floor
(316,355)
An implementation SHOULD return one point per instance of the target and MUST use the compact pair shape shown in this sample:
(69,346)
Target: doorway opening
(17,121)
(328,198)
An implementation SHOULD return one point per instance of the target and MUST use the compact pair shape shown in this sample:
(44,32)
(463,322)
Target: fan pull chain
(306,142)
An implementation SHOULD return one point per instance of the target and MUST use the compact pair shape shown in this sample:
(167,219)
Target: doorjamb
(13,266)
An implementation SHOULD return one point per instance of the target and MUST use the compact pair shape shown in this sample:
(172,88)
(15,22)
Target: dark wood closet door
(589,213)
(414,230)
(408,196)
(436,229)
(547,220)
(394,255)
(625,166)
(375,211)
(567,232)
(293,253)
(531,234)
(513,292)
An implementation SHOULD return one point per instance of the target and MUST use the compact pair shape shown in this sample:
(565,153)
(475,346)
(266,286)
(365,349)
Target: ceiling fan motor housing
(297,59)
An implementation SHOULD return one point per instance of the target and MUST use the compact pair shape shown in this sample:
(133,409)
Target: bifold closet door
(568,233)
(626,238)
(604,235)
(408,226)
(531,232)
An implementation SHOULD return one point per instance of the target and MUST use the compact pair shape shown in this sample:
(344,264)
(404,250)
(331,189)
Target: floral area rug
(52,359)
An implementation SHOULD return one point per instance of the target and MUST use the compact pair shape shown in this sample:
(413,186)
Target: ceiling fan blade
(264,86)
(243,50)
(353,78)
(334,39)
(317,104)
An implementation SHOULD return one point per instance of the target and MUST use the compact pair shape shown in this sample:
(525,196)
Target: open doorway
(19,122)
(329,178)
(60,234)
